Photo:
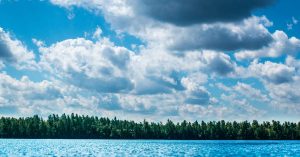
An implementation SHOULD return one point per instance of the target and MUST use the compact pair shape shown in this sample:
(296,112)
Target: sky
(151,59)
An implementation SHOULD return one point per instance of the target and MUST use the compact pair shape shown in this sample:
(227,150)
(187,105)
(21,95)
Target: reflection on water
(16,147)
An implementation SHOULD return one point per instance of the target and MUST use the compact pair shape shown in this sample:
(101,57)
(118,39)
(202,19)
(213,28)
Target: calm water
(12,147)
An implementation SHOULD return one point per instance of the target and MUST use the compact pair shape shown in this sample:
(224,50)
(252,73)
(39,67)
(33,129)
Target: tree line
(91,127)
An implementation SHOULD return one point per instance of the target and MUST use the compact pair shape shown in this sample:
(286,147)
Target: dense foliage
(75,126)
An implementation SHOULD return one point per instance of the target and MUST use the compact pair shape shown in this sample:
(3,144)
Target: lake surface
(16,147)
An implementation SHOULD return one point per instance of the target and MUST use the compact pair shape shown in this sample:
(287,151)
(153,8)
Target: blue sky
(155,60)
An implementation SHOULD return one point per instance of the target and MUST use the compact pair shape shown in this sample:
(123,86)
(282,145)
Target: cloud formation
(15,52)
(196,93)
(244,33)
(250,92)
(272,72)
(249,34)
(190,12)
(17,96)
(153,77)
(281,45)
(218,63)
(198,59)
(97,66)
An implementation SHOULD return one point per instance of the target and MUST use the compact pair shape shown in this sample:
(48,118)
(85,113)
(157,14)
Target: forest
(91,127)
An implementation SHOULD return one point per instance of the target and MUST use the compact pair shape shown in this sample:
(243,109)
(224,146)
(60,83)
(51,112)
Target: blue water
(107,148)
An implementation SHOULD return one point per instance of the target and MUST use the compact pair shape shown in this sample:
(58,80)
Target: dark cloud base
(222,39)
(190,12)
(4,51)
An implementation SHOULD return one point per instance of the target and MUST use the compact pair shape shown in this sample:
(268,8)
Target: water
(15,147)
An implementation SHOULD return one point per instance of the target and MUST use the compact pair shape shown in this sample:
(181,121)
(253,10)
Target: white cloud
(292,62)
(195,93)
(156,71)
(38,43)
(97,34)
(285,97)
(282,44)
(210,112)
(248,34)
(167,77)
(124,16)
(25,97)
(14,52)
(194,80)
(218,63)
(89,4)
(98,66)
(250,92)
(223,87)
(272,72)
(285,93)
(242,90)
(242,107)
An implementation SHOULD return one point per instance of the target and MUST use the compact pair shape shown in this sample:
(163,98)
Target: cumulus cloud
(285,97)
(157,71)
(90,4)
(218,63)
(198,11)
(293,62)
(241,105)
(169,75)
(109,102)
(151,106)
(243,90)
(272,72)
(285,93)
(15,52)
(127,16)
(97,66)
(17,96)
(281,44)
(248,34)
(24,98)
(280,84)
(250,92)
(174,12)
(5,52)
(210,112)
(196,93)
